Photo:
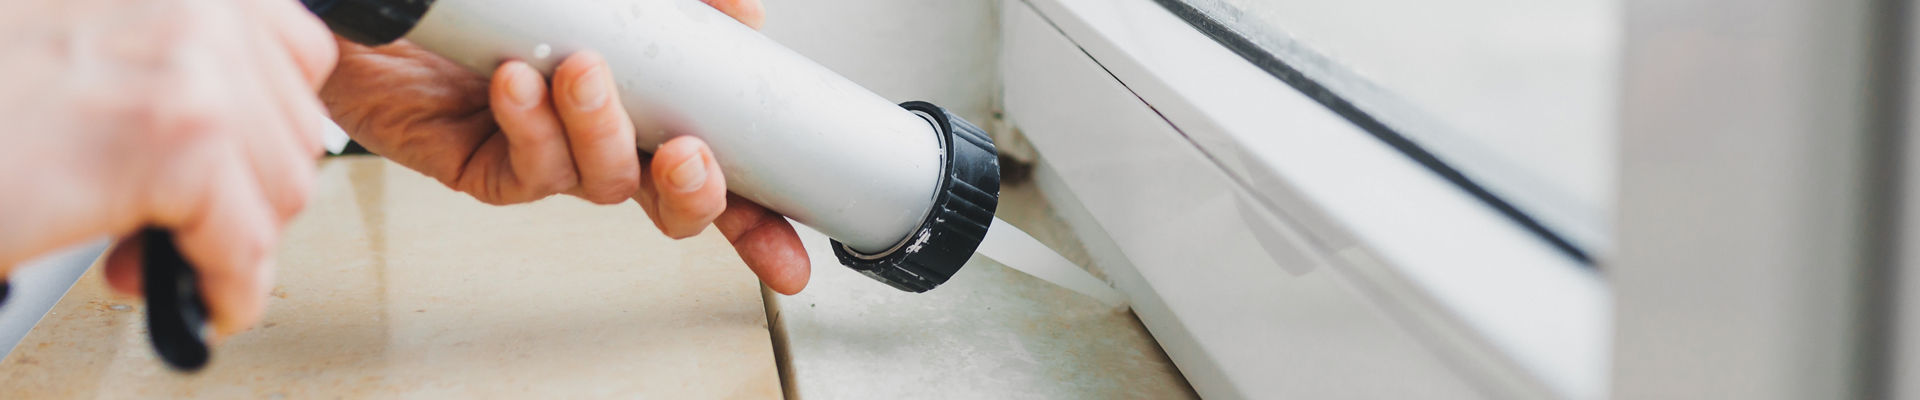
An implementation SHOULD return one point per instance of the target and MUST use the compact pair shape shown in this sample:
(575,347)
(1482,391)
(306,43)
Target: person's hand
(518,138)
(196,116)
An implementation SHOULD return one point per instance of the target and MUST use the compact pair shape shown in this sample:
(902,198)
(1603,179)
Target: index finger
(309,44)
(767,243)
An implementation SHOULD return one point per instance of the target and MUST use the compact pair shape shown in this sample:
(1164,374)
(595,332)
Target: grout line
(777,333)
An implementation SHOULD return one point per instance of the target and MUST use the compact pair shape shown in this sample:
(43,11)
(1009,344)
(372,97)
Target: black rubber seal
(176,317)
(369,22)
(961,215)
(1279,68)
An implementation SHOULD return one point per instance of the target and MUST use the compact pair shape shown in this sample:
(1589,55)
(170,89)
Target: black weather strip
(1279,68)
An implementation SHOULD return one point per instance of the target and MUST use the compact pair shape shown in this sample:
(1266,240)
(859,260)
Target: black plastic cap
(369,22)
(969,193)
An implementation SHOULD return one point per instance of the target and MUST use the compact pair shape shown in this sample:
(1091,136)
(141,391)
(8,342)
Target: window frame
(1495,291)
(1761,198)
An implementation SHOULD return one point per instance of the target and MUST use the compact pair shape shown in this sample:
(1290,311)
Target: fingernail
(524,92)
(689,175)
(590,92)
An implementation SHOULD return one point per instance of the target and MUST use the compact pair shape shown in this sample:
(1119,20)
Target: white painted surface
(1747,257)
(940,51)
(1905,331)
(1238,324)
(1505,309)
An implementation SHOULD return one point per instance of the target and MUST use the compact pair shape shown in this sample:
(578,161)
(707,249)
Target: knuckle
(611,128)
(558,184)
(610,179)
(451,182)
(182,122)
(489,192)
(613,190)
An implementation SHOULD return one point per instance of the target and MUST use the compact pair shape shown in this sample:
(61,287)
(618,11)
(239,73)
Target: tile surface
(390,285)
(989,333)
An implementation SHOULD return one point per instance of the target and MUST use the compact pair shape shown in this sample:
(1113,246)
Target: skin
(521,137)
(199,116)
(193,115)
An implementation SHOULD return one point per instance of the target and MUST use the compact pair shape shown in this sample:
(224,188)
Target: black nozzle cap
(969,193)
(369,22)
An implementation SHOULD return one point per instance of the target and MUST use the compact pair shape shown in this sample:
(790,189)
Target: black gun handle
(176,316)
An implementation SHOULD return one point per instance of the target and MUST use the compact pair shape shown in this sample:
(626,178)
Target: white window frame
(1484,287)
(1757,199)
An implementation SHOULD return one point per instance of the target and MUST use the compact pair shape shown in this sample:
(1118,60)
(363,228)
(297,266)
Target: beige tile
(989,333)
(393,286)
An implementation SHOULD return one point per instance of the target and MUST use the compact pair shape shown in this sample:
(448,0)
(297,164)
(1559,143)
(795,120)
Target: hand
(518,138)
(197,116)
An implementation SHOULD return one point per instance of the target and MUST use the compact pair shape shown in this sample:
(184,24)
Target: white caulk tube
(906,190)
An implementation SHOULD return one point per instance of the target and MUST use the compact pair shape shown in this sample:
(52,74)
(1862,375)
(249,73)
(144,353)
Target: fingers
(225,228)
(767,243)
(598,130)
(308,43)
(536,141)
(286,140)
(684,187)
(682,201)
(242,132)
(296,54)
(229,249)
(123,265)
(749,12)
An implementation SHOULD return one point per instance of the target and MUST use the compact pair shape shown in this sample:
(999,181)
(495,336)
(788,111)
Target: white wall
(942,51)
